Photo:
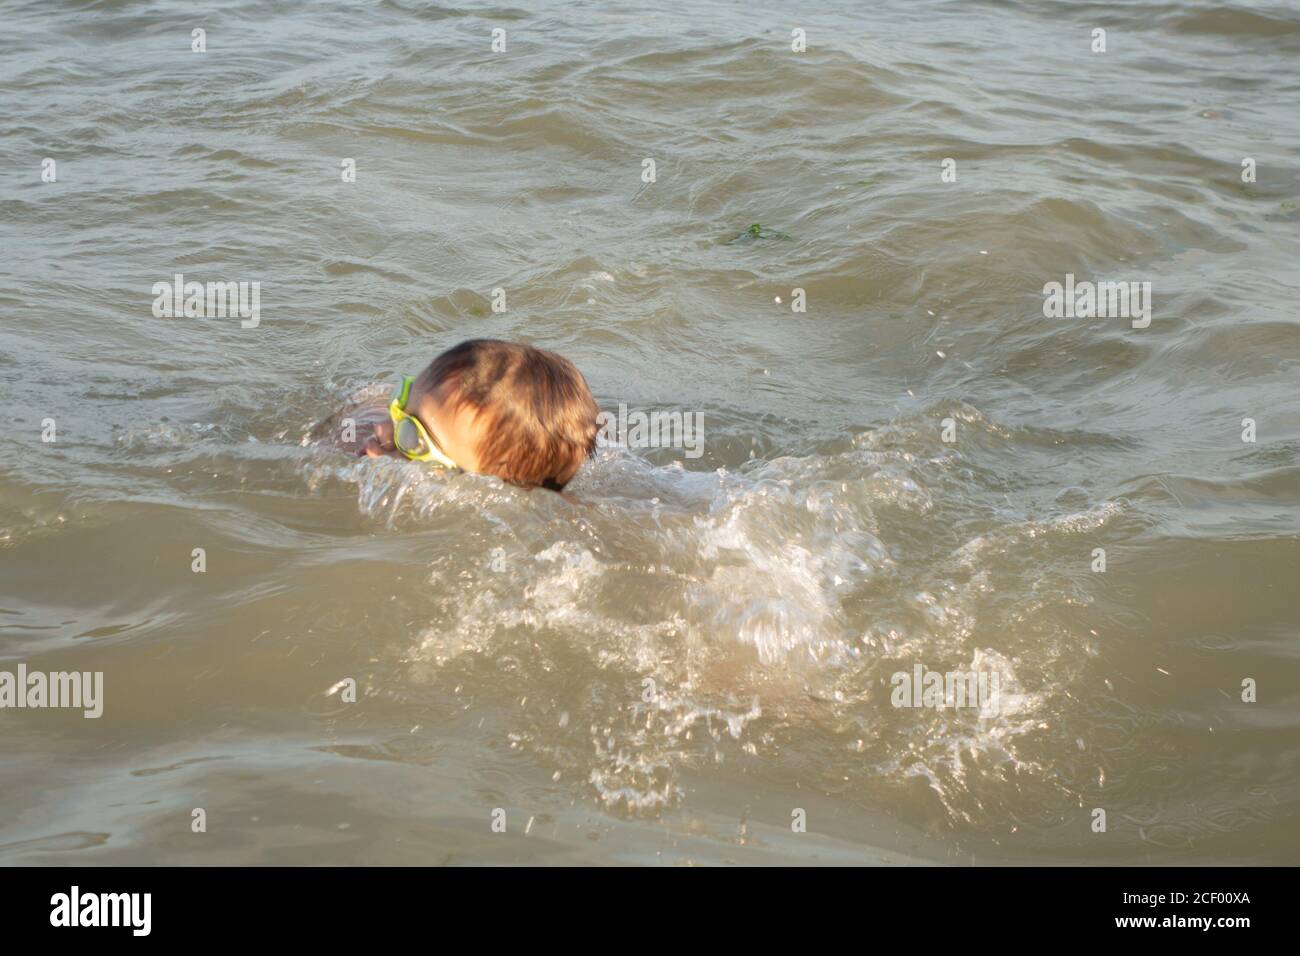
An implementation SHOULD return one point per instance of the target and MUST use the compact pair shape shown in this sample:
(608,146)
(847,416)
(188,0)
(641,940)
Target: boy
(497,408)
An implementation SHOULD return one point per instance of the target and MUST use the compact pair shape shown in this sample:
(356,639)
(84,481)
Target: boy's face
(454,429)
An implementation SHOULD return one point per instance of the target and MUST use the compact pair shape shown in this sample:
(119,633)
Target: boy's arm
(365,430)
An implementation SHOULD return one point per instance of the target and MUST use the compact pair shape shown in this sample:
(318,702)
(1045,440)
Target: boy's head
(507,409)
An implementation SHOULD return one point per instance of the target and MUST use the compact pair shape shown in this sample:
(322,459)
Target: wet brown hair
(539,415)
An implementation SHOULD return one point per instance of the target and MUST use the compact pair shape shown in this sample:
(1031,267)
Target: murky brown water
(670,663)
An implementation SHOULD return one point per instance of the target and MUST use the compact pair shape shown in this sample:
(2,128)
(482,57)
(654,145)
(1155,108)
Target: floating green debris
(758,231)
(1286,212)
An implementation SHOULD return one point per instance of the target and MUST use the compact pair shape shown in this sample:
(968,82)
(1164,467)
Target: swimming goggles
(409,434)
